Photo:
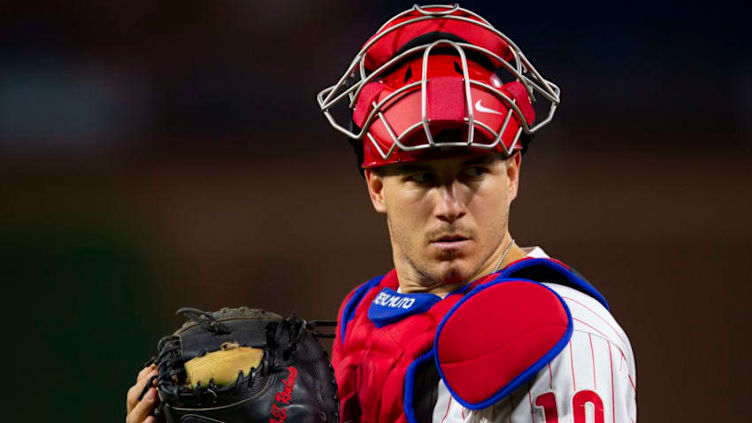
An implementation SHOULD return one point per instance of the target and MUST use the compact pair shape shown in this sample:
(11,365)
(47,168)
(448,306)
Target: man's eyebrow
(484,159)
(410,168)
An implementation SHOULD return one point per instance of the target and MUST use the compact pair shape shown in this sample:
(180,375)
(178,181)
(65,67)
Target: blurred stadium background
(160,154)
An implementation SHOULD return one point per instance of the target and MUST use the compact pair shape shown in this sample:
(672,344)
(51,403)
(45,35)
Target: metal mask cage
(519,67)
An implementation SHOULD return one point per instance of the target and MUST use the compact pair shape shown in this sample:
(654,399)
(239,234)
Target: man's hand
(140,411)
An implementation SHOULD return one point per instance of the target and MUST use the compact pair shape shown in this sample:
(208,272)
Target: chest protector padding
(385,341)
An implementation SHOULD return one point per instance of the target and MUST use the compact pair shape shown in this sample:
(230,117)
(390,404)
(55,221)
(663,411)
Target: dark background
(160,154)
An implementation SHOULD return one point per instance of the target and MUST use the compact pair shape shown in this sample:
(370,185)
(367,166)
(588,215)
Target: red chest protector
(383,337)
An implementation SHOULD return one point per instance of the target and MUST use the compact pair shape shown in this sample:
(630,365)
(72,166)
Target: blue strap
(547,270)
(390,306)
(348,313)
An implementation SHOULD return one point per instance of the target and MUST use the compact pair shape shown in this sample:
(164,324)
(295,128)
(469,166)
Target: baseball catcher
(243,365)
(440,106)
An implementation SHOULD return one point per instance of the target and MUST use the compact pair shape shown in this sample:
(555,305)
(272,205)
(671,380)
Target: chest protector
(386,341)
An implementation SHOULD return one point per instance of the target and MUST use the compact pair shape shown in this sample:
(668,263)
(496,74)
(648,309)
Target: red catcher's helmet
(429,78)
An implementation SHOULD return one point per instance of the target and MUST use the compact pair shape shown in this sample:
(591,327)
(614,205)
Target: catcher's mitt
(244,365)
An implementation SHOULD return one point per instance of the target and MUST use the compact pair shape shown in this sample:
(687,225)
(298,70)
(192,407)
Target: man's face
(447,217)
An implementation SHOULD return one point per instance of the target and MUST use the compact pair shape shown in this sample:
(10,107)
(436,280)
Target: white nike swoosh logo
(479,107)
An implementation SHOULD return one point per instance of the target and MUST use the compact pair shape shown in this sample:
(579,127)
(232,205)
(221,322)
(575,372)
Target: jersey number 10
(547,401)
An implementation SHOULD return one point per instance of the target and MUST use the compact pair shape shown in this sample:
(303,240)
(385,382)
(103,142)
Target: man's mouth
(450,241)
(451,238)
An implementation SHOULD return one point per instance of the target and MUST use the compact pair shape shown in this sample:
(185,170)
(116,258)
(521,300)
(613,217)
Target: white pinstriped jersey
(592,380)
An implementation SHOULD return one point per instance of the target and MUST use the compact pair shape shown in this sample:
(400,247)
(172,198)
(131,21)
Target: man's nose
(450,205)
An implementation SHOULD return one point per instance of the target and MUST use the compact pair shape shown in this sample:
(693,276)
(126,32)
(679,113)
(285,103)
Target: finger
(143,408)
(135,391)
(150,419)
(145,370)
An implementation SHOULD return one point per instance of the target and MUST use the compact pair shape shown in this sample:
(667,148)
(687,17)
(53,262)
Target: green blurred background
(161,154)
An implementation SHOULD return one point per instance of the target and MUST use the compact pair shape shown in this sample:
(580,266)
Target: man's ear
(375,183)
(513,175)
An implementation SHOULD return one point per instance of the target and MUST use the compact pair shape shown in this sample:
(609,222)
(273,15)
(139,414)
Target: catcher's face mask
(430,78)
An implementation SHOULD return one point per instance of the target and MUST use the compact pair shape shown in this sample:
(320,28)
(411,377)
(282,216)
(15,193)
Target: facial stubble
(429,278)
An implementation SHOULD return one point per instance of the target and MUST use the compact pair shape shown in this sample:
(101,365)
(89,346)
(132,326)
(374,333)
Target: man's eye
(420,178)
(475,171)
